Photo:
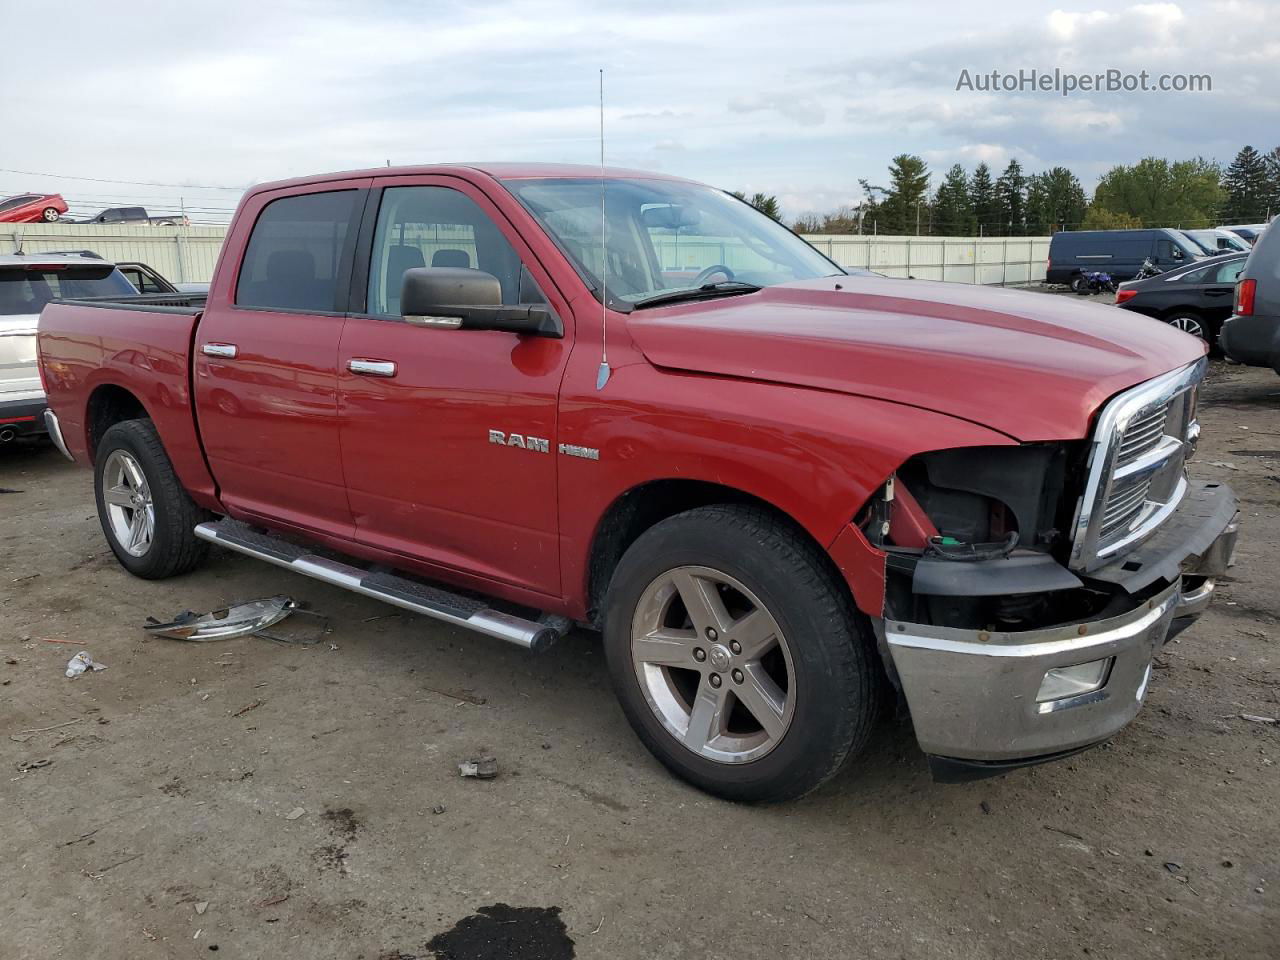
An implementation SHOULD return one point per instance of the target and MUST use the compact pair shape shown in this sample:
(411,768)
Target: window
(14,202)
(1195,276)
(1229,272)
(25,290)
(292,260)
(439,227)
(666,235)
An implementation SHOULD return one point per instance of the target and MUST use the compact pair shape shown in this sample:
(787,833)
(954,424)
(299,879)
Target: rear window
(28,289)
(291,262)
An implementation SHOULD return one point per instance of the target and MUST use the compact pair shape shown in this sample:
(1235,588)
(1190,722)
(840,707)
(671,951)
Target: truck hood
(1033,366)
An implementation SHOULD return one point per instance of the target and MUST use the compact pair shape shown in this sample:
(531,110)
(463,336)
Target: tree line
(1154,192)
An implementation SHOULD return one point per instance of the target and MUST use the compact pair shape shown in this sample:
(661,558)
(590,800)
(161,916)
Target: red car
(786,493)
(32,208)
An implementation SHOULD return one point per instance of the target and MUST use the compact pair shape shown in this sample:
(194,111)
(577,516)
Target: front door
(449,436)
(266,356)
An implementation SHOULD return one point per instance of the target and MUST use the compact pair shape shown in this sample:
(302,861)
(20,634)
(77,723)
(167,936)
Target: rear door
(1218,292)
(266,355)
(449,436)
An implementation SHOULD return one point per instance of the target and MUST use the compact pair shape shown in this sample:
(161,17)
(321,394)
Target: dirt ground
(167,823)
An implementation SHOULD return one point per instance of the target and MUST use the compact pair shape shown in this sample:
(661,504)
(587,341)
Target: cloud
(800,100)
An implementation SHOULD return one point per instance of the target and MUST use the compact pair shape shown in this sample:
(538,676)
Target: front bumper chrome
(972,693)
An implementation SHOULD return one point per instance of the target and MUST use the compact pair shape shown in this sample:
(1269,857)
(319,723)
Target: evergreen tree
(904,207)
(953,210)
(1247,187)
(982,194)
(1158,193)
(1011,196)
(765,203)
(1273,180)
(1055,201)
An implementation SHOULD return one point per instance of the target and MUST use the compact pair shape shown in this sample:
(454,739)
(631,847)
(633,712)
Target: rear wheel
(147,516)
(1192,324)
(50,215)
(737,654)
(1079,284)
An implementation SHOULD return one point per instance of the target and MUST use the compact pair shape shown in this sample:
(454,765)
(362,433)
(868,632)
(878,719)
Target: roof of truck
(38,259)
(499,171)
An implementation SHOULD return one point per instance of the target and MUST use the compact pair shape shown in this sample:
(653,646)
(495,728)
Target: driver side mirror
(458,298)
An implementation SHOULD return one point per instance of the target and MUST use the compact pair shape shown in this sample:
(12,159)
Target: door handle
(372,368)
(226,351)
(1219,291)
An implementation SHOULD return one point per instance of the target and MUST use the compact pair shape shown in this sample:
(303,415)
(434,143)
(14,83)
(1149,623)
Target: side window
(1195,276)
(1229,272)
(292,259)
(439,227)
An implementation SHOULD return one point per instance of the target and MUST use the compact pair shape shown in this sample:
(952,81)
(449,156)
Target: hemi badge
(573,450)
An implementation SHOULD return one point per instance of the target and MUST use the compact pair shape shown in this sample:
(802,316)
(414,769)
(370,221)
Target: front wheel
(738,656)
(147,516)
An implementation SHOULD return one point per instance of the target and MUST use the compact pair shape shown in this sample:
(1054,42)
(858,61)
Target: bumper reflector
(1061,682)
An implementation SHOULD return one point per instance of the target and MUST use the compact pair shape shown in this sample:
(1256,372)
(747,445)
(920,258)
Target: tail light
(1245,291)
(1123,295)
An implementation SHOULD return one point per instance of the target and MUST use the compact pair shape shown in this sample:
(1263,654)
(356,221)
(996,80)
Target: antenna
(602,376)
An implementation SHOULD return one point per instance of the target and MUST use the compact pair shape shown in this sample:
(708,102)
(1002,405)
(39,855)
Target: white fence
(994,260)
(182,254)
(188,254)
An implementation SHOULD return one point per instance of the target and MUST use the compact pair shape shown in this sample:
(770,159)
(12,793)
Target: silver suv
(27,283)
(1252,333)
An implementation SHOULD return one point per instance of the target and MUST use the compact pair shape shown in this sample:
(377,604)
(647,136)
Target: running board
(535,635)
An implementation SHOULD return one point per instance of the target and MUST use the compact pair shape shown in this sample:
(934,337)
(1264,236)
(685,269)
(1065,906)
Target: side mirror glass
(457,298)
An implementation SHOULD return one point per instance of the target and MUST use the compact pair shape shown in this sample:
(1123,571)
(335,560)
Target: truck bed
(126,350)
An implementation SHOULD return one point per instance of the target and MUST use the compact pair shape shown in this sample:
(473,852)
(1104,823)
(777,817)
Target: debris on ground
(295,813)
(1253,718)
(438,809)
(83,663)
(482,768)
(201,907)
(247,707)
(504,931)
(26,765)
(237,620)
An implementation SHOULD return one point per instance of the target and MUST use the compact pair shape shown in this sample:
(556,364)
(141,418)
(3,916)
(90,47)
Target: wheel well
(109,405)
(639,509)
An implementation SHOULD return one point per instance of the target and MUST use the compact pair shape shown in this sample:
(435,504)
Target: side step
(535,635)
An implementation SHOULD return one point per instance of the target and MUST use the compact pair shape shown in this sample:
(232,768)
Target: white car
(27,283)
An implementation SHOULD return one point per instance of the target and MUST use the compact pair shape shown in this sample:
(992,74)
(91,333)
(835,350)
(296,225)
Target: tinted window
(439,227)
(15,202)
(1195,276)
(28,290)
(1228,272)
(292,259)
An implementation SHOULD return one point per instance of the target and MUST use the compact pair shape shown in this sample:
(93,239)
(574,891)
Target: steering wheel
(705,275)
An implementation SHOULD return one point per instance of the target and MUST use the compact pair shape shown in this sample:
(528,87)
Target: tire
(1193,324)
(50,215)
(1079,285)
(822,653)
(131,473)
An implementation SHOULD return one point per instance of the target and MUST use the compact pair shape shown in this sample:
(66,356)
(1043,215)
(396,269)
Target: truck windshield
(663,237)
(25,290)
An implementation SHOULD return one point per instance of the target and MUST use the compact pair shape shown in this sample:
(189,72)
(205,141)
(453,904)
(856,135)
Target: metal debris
(83,663)
(238,620)
(295,813)
(482,768)
(1252,718)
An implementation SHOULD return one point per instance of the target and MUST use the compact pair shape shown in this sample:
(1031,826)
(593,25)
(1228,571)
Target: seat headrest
(451,258)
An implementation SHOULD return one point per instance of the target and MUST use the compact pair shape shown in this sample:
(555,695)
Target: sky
(800,99)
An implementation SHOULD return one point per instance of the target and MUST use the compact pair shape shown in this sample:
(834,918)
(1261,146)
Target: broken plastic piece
(81,663)
(482,768)
(239,620)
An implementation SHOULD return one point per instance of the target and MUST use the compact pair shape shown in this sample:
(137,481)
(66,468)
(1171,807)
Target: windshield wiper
(705,292)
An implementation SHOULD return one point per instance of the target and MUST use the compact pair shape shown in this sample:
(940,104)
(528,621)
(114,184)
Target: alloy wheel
(131,513)
(713,664)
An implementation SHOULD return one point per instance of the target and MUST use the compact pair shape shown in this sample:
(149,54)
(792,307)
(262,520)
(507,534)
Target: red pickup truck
(519,397)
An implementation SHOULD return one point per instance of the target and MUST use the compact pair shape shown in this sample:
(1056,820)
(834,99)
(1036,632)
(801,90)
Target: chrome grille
(1136,469)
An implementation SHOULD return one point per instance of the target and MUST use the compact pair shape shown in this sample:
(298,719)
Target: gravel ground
(261,799)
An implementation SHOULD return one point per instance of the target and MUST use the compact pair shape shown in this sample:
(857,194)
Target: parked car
(1217,241)
(135,216)
(143,277)
(27,283)
(1195,298)
(1119,252)
(780,491)
(32,208)
(1252,333)
(1250,232)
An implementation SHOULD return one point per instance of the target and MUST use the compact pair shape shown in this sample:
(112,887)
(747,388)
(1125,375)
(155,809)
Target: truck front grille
(1136,468)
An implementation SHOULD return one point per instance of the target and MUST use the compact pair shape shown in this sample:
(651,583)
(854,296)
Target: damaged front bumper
(983,702)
